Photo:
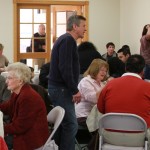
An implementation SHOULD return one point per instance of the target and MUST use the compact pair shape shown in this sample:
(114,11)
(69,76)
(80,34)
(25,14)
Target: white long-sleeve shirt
(88,88)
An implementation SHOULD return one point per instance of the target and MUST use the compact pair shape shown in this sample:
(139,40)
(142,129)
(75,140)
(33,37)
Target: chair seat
(114,147)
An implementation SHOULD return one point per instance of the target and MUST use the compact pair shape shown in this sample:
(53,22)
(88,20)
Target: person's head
(116,67)
(18,75)
(87,46)
(98,70)
(123,54)
(110,48)
(76,25)
(41,29)
(145,28)
(1,48)
(135,64)
(126,47)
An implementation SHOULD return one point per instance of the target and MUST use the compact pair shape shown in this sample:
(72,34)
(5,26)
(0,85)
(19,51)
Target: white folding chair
(1,125)
(124,122)
(55,116)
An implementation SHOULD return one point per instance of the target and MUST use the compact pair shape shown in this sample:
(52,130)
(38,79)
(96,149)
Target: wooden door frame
(20,3)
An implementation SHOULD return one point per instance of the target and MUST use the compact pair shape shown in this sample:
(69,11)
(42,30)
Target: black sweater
(64,64)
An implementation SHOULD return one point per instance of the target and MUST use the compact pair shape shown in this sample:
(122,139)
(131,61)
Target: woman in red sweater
(26,109)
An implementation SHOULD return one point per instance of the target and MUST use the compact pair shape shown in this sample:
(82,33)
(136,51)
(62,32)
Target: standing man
(39,39)
(39,45)
(63,78)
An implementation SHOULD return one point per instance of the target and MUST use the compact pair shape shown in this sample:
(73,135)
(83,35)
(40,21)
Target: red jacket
(127,94)
(3,145)
(29,123)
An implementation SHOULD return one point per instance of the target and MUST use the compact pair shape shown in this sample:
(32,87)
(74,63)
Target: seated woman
(90,87)
(26,109)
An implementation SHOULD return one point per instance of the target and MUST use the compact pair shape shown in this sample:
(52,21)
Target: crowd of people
(77,78)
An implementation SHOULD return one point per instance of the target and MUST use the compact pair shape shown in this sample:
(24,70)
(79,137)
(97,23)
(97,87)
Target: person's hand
(77,98)
(43,46)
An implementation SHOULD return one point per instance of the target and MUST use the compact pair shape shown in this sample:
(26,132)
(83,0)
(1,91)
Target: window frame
(45,4)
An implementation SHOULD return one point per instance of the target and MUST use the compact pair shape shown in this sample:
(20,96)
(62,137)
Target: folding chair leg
(78,145)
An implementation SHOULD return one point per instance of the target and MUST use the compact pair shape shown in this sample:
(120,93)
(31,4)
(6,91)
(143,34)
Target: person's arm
(43,79)
(26,115)
(6,61)
(77,98)
(6,106)
(89,90)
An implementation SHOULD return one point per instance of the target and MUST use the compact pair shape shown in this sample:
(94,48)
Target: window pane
(61,17)
(25,30)
(39,15)
(24,43)
(61,29)
(23,15)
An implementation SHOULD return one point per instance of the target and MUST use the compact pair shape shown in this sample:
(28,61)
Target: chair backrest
(55,116)
(122,122)
(1,125)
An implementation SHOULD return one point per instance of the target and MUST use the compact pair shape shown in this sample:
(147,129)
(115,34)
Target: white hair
(21,71)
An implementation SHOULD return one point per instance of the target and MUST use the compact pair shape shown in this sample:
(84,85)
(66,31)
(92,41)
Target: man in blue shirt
(63,78)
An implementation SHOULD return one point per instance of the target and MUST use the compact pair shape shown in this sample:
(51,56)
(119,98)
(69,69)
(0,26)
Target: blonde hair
(21,71)
(95,67)
(1,47)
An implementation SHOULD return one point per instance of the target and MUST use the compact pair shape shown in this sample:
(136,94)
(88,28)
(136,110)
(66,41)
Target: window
(28,15)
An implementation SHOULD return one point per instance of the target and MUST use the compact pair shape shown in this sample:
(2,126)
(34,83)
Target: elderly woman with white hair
(26,109)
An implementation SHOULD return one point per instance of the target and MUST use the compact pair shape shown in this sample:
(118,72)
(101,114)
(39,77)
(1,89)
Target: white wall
(134,15)
(104,23)
(119,21)
(6,27)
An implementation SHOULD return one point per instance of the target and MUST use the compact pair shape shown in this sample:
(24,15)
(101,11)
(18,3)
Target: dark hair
(144,30)
(126,47)
(88,46)
(116,67)
(110,43)
(74,19)
(87,52)
(32,69)
(135,64)
(125,51)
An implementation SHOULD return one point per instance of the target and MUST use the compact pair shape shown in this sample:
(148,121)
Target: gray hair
(21,71)
(74,19)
